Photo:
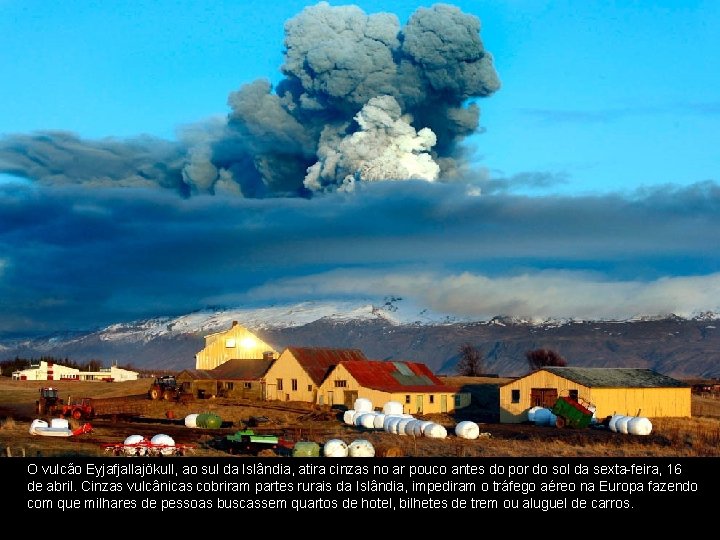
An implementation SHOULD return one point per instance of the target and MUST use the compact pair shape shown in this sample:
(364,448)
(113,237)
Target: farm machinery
(248,442)
(574,413)
(165,387)
(79,409)
(138,446)
(49,401)
(52,404)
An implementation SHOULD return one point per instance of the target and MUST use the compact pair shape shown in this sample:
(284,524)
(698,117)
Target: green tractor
(246,441)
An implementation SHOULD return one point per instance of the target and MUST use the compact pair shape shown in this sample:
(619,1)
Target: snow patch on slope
(391,310)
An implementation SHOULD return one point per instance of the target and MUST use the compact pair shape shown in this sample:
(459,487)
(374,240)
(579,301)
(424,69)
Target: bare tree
(471,361)
(539,358)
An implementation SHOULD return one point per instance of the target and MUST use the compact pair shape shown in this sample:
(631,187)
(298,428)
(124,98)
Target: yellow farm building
(627,391)
(299,371)
(410,383)
(237,343)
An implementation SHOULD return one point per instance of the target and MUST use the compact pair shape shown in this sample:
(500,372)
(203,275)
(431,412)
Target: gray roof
(241,369)
(616,377)
(236,369)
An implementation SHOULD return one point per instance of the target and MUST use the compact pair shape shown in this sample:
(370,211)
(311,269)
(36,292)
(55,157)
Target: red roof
(393,376)
(318,361)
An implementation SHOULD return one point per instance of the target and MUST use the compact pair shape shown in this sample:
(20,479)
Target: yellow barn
(627,391)
(299,371)
(410,383)
(237,343)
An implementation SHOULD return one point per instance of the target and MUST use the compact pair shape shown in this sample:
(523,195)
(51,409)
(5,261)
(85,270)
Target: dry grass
(671,437)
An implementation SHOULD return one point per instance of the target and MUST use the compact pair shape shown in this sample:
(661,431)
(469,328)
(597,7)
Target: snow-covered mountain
(396,329)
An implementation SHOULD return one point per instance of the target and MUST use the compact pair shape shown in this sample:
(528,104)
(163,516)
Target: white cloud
(536,296)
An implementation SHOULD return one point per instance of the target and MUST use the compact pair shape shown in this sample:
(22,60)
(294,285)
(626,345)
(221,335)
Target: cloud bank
(73,257)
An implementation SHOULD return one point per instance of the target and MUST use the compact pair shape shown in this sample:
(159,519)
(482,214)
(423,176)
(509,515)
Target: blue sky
(587,188)
(601,95)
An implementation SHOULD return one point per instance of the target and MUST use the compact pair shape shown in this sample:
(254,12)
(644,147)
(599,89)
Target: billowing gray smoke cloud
(362,99)
(63,158)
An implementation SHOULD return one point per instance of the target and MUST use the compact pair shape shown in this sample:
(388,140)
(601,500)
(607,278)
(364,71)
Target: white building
(49,371)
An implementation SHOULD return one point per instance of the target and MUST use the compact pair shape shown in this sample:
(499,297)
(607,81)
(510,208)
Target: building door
(543,397)
(443,403)
(419,404)
(331,401)
(350,397)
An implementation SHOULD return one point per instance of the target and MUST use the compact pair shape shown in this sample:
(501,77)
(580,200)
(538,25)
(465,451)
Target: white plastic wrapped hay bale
(622,424)
(61,423)
(132,445)
(389,418)
(349,417)
(400,430)
(419,427)
(541,416)
(361,448)
(37,423)
(639,425)
(363,405)
(166,443)
(435,431)
(467,430)
(335,448)
(367,420)
(531,413)
(191,420)
(393,407)
(379,421)
(612,423)
(410,427)
(390,423)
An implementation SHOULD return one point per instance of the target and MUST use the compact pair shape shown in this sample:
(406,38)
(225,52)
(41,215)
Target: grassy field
(681,437)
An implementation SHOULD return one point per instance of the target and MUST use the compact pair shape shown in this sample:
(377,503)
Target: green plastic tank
(306,449)
(208,420)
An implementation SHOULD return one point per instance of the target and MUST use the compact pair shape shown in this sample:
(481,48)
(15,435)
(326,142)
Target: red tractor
(79,409)
(49,401)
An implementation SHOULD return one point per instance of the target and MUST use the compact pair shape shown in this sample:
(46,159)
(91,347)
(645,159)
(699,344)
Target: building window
(340,383)
(229,385)
(407,398)
(573,394)
(247,385)
(432,398)
(515,396)
(230,343)
(279,384)
(294,385)
(458,400)
(309,387)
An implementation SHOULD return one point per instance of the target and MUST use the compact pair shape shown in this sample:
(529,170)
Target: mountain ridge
(678,346)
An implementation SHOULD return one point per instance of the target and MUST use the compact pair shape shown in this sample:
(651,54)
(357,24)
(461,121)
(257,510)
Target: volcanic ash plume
(362,99)
(386,147)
